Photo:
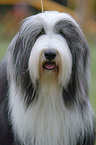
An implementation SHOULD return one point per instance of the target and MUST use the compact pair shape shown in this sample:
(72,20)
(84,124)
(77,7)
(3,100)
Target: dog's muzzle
(50,54)
(50,59)
(50,63)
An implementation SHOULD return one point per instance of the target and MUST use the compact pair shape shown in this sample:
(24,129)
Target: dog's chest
(46,121)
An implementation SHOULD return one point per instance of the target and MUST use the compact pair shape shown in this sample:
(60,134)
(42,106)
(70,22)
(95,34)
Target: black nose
(50,54)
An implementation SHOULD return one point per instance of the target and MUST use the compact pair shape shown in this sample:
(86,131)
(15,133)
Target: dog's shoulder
(5,127)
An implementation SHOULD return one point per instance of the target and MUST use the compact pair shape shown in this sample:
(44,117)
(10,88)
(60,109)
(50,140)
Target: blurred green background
(11,14)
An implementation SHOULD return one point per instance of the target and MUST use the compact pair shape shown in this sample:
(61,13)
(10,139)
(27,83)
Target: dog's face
(50,48)
(50,57)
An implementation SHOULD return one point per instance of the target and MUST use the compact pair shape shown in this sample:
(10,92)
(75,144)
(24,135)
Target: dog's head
(50,47)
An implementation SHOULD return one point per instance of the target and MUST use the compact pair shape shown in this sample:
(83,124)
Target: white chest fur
(47,121)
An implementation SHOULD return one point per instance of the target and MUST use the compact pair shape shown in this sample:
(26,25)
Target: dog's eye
(42,32)
(61,33)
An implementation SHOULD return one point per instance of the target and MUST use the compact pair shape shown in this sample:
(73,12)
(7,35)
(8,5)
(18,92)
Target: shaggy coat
(44,84)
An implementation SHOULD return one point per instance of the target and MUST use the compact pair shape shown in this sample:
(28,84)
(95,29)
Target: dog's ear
(23,44)
(78,84)
(18,71)
(19,52)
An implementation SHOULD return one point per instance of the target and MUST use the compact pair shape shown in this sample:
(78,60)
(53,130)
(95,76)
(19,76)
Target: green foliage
(3,46)
(93,76)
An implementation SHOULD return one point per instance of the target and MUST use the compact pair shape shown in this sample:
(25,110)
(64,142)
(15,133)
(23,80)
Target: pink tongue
(49,66)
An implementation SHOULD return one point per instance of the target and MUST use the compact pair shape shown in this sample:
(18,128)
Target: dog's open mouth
(49,65)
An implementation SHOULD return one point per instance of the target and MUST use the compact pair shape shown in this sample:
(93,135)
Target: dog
(44,84)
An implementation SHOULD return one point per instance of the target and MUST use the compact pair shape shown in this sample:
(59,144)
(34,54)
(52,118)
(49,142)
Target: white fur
(57,43)
(47,121)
